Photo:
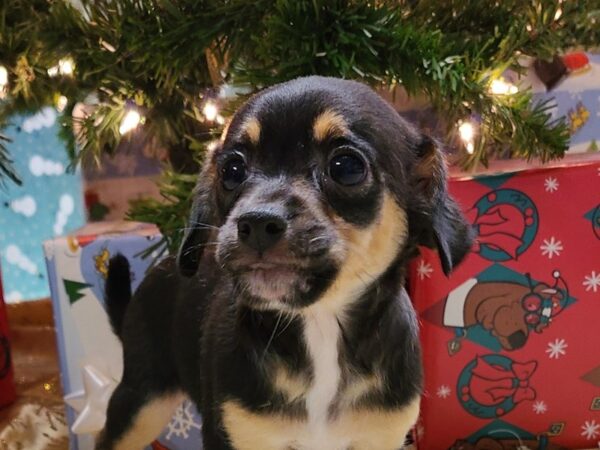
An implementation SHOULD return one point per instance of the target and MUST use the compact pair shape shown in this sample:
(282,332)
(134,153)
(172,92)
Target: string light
(220,119)
(558,14)
(3,81)
(500,86)
(61,103)
(466,130)
(65,66)
(130,122)
(210,111)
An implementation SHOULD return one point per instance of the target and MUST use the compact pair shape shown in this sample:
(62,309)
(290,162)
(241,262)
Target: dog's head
(318,184)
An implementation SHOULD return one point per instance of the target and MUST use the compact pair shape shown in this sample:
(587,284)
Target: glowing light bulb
(130,122)
(3,76)
(3,81)
(558,14)
(65,66)
(210,111)
(61,103)
(502,87)
(467,131)
(220,119)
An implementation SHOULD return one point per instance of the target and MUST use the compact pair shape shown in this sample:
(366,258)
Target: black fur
(216,335)
(117,291)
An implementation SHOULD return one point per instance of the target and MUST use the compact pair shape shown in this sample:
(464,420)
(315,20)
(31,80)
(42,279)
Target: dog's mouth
(266,273)
(271,281)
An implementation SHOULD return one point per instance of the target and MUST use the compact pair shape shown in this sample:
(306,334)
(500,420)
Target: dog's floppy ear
(199,227)
(441,223)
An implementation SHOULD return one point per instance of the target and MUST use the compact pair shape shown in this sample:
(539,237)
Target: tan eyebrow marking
(251,128)
(329,124)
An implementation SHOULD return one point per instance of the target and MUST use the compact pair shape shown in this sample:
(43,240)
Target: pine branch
(171,212)
(151,55)
(7,169)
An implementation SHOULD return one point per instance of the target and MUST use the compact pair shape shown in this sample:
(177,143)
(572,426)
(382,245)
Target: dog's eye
(347,169)
(233,173)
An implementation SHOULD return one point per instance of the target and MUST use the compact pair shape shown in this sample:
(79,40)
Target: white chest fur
(321,334)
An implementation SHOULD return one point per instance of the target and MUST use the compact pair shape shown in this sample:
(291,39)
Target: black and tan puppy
(290,328)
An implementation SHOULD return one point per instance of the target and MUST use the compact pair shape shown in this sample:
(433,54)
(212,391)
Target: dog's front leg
(135,417)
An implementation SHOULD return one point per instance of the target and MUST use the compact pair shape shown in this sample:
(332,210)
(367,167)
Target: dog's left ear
(440,222)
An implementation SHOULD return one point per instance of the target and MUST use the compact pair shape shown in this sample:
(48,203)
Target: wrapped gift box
(49,202)
(511,337)
(90,354)
(575,95)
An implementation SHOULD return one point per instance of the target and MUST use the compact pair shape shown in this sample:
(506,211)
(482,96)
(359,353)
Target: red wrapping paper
(511,339)
(8,393)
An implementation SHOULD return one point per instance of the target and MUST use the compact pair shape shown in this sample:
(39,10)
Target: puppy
(288,323)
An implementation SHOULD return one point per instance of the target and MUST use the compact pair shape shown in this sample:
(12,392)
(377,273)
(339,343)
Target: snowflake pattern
(540,407)
(424,270)
(591,429)
(551,247)
(557,348)
(551,184)
(183,422)
(592,281)
(443,391)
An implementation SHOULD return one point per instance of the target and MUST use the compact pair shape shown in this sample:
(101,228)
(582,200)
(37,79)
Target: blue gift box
(90,354)
(49,202)
(576,97)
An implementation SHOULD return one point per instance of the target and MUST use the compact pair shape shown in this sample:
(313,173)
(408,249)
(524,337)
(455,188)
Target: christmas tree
(174,70)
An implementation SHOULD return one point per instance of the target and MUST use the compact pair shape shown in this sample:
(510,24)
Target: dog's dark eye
(347,169)
(233,173)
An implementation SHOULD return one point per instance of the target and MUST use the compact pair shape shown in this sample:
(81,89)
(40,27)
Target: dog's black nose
(260,230)
(517,339)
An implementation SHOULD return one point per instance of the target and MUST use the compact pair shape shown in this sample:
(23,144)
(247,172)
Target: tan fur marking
(369,252)
(149,422)
(379,430)
(250,431)
(251,128)
(292,387)
(329,124)
(359,388)
(357,429)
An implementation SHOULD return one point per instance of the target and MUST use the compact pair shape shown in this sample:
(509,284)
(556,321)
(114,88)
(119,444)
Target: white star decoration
(424,270)
(443,391)
(551,184)
(592,281)
(591,429)
(551,247)
(557,348)
(540,407)
(91,403)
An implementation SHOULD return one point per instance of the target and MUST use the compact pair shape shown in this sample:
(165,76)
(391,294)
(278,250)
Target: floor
(36,420)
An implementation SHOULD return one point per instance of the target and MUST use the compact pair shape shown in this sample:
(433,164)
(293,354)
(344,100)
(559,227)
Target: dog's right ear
(440,220)
(199,227)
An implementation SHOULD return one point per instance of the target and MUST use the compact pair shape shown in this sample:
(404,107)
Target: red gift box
(8,393)
(511,340)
